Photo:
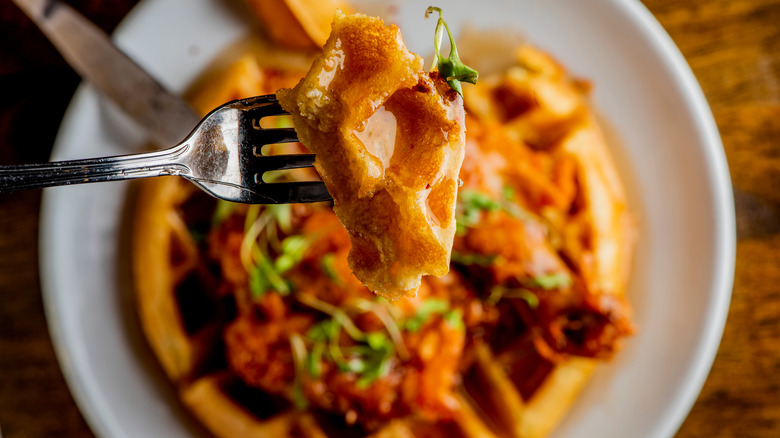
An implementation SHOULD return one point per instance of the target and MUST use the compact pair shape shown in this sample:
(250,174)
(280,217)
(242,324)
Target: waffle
(551,221)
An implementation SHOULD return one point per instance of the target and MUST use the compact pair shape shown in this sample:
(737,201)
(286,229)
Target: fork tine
(257,101)
(262,106)
(262,137)
(271,108)
(256,108)
(282,162)
(293,192)
(253,137)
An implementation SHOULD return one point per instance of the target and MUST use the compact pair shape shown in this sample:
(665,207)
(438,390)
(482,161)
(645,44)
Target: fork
(222,155)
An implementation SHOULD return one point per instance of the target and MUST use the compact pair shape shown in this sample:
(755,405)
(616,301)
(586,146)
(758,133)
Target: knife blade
(165,117)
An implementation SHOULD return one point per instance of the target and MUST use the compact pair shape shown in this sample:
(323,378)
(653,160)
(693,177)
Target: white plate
(670,157)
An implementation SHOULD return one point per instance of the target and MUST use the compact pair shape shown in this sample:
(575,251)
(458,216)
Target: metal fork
(222,155)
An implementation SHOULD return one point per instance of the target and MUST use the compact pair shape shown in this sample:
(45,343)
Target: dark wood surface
(733,47)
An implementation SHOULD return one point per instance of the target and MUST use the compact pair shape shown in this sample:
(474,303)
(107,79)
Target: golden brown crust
(389,144)
(611,226)
(227,418)
(537,416)
(158,234)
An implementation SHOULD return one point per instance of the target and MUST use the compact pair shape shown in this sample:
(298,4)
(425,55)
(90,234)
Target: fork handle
(59,173)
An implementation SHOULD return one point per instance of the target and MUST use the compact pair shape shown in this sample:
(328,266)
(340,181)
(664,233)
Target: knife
(165,117)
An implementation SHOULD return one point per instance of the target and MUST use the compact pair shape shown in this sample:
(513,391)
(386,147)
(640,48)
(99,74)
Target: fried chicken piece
(389,139)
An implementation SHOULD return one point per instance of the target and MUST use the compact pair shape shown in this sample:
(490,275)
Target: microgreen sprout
(433,306)
(292,251)
(552,281)
(282,214)
(300,358)
(314,363)
(266,275)
(368,355)
(261,239)
(556,280)
(509,193)
(222,211)
(473,203)
(329,268)
(454,318)
(377,365)
(451,68)
(463,258)
(384,311)
(371,356)
(499,292)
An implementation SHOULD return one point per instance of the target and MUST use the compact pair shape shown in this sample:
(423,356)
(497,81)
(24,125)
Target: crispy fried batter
(389,143)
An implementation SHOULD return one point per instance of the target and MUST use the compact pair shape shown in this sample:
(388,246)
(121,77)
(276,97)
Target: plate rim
(719,181)
(724,261)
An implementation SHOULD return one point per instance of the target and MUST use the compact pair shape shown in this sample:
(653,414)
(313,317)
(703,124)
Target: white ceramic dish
(670,156)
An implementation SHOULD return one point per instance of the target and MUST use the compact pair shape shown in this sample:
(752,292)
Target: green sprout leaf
(369,358)
(264,258)
(295,246)
(257,284)
(473,258)
(473,199)
(451,68)
(354,364)
(282,214)
(320,332)
(329,267)
(377,363)
(426,309)
(299,360)
(284,263)
(223,210)
(471,205)
(499,292)
(454,318)
(314,364)
(376,340)
(293,249)
(265,277)
(369,355)
(551,281)
(509,193)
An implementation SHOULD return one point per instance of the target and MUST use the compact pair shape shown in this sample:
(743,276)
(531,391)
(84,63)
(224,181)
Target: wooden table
(733,47)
